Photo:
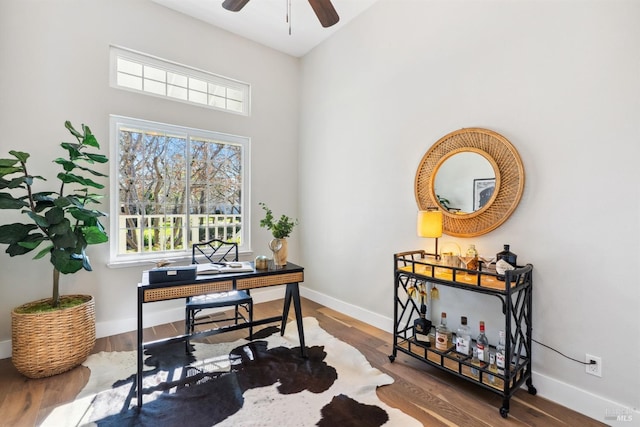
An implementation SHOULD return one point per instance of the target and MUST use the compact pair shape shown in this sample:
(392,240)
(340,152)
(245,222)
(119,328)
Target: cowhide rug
(260,383)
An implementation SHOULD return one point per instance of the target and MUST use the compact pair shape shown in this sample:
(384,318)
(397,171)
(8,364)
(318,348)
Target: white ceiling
(264,21)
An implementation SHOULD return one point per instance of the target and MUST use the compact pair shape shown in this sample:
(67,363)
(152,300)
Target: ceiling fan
(324,10)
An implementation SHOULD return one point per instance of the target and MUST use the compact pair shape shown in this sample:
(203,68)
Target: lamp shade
(430,223)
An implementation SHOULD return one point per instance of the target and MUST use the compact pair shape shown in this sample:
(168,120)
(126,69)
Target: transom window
(131,70)
(174,186)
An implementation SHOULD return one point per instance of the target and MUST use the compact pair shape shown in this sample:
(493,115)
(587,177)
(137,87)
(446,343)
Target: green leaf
(17,182)
(85,214)
(43,252)
(39,219)
(6,163)
(31,245)
(20,155)
(71,129)
(62,202)
(69,178)
(92,198)
(94,235)
(65,262)
(15,249)
(91,171)
(26,244)
(8,170)
(98,158)
(44,196)
(90,140)
(7,201)
(65,241)
(61,228)
(54,216)
(43,205)
(66,164)
(75,201)
(16,232)
(73,149)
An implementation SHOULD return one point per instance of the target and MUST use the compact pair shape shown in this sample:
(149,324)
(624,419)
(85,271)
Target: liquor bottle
(482,345)
(422,327)
(475,362)
(472,259)
(500,353)
(463,337)
(507,256)
(443,334)
(492,368)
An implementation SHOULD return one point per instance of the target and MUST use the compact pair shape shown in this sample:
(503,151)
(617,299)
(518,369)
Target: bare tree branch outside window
(176,189)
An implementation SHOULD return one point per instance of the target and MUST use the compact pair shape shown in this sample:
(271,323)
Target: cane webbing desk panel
(262,281)
(183,291)
(289,275)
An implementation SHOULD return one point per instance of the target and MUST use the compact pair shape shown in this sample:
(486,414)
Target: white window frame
(116,122)
(214,89)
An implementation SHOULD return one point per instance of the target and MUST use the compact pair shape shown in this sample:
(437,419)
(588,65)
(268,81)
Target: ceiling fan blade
(234,5)
(325,12)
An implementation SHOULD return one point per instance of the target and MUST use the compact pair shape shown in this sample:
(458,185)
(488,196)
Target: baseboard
(373,319)
(582,401)
(5,349)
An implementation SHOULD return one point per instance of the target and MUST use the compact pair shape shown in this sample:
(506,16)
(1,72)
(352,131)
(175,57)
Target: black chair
(213,251)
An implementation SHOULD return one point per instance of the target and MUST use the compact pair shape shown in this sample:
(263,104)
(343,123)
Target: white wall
(55,66)
(561,81)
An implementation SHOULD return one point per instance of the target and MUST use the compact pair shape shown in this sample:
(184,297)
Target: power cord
(591,362)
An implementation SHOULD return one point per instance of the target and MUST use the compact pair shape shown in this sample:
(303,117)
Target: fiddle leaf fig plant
(281,228)
(60,219)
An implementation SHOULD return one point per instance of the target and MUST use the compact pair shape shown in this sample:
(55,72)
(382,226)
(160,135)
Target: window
(174,186)
(139,72)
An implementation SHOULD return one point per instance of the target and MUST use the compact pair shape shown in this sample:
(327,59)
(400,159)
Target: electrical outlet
(593,368)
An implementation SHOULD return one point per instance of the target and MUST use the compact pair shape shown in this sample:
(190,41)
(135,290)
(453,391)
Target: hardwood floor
(434,397)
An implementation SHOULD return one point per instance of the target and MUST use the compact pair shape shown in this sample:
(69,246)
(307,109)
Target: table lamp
(430,225)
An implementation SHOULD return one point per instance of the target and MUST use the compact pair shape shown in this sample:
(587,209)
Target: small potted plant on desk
(53,335)
(280,229)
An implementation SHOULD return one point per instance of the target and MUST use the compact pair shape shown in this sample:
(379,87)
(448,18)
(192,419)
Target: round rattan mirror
(505,189)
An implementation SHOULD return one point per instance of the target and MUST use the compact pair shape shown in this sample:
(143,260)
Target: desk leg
(293,293)
(140,354)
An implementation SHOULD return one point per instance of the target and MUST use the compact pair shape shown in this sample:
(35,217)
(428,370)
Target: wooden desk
(290,275)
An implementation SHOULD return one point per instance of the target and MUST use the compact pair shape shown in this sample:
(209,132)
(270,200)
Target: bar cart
(514,291)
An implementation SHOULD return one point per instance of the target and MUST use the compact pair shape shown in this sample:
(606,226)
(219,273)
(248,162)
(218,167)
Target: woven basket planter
(46,344)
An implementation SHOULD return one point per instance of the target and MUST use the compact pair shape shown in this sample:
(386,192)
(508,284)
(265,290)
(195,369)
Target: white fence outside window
(171,231)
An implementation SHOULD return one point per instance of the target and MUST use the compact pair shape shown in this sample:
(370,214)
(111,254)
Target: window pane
(234,94)
(129,81)
(199,97)
(129,67)
(177,79)
(131,240)
(155,87)
(216,101)
(234,105)
(174,189)
(217,90)
(177,92)
(196,84)
(154,74)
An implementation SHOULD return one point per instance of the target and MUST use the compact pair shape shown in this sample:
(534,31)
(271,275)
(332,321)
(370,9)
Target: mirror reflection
(464,182)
